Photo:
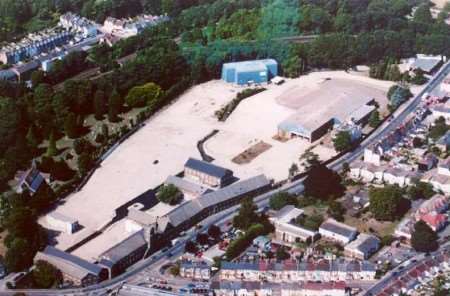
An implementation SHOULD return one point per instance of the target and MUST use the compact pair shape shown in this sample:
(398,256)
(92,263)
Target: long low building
(227,288)
(337,231)
(362,247)
(257,71)
(73,268)
(287,231)
(295,271)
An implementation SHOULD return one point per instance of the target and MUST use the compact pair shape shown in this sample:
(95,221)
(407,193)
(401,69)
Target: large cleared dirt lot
(171,137)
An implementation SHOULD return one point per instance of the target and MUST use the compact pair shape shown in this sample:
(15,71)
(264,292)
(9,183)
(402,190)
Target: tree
(374,119)
(214,231)
(423,238)
(311,222)
(32,137)
(342,141)
(144,95)
(420,190)
(85,162)
(417,142)
(323,183)
(293,170)
(310,159)
(423,14)
(386,204)
(114,106)
(71,127)
(169,194)
(281,199)
(202,238)
(52,150)
(336,210)
(246,215)
(281,254)
(45,275)
(82,145)
(19,255)
(99,104)
(438,129)
(190,247)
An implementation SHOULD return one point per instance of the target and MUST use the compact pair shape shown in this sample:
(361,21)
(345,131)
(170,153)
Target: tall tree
(323,183)
(71,127)
(99,104)
(246,215)
(52,150)
(114,106)
(423,238)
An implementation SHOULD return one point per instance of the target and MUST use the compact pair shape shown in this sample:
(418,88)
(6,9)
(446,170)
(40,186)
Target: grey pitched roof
(337,227)
(185,185)
(125,247)
(207,168)
(364,243)
(193,207)
(425,64)
(68,263)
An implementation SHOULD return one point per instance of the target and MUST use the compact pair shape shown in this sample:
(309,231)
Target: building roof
(251,66)
(437,203)
(287,213)
(363,243)
(187,186)
(125,247)
(358,114)
(68,263)
(190,208)
(338,228)
(207,168)
(33,178)
(61,217)
(434,220)
(426,64)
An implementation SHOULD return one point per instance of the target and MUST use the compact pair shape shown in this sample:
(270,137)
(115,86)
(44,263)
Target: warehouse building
(73,268)
(207,173)
(249,72)
(311,127)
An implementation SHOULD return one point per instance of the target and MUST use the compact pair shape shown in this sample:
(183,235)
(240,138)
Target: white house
(362,247)
(338,231)
(286,231)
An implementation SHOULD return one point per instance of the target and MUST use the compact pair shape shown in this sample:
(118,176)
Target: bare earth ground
(251,153)
(171,135)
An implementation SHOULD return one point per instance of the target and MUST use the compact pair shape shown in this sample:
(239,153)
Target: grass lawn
(365,222)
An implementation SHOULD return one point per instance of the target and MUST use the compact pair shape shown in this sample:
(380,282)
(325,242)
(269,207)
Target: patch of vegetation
(226,110)
(169,194)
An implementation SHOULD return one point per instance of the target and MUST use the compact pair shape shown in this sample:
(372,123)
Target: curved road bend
(262,200)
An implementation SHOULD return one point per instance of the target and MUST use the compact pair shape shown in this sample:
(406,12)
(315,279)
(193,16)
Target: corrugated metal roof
(68,263)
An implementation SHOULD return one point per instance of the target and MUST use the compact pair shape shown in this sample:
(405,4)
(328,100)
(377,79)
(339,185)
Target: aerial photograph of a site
(225,147)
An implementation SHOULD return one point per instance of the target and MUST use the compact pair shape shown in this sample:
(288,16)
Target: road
(401,270)
(156,259)
(262,200)
(399,118)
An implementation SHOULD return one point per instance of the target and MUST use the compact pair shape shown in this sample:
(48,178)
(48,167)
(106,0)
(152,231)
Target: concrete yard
(171,137)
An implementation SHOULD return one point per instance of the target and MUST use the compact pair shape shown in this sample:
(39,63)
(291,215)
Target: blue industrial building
(257,71)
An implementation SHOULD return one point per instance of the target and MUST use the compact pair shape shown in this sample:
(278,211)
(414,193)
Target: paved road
(401,270)
(262,200)
(157,258)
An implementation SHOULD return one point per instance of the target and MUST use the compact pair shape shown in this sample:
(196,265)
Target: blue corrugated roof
(207,168)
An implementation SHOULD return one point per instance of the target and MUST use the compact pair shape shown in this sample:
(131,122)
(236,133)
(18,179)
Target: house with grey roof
(207,173)
(426,63)
(362,247)
(337,231)
(74,269)
(124,254)
(287,231)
